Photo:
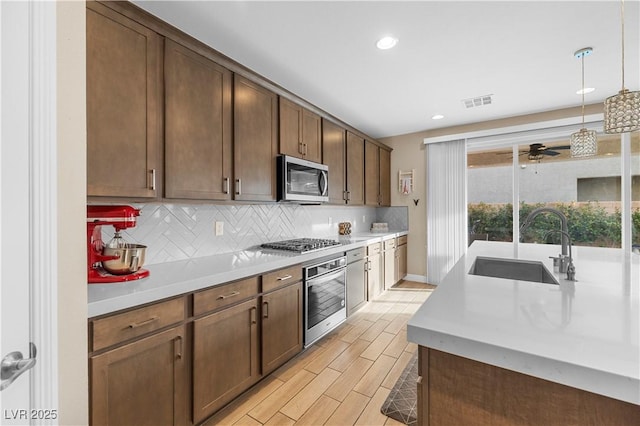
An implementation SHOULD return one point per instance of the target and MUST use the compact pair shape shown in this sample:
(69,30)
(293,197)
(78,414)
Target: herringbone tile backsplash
(183,231)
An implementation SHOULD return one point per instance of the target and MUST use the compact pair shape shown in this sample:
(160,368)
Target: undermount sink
(512,269)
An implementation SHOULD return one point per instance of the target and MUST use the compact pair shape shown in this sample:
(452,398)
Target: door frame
(41,34)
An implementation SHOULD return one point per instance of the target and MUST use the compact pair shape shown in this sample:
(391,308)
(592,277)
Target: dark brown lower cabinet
(281,326)
(141,383)
(225,357)
(453,390)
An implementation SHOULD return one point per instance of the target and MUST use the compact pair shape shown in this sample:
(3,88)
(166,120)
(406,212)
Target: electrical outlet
(364,218)
(219,228)
(330,220)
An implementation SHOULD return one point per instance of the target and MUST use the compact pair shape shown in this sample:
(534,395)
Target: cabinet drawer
(390,244)
(374,249)
(402,240)
(224,295)
(281,277)
(121,327)
(356,254)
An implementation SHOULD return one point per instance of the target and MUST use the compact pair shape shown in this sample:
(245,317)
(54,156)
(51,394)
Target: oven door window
(325,297)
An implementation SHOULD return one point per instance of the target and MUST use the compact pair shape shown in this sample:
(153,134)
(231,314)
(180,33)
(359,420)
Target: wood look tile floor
(343,379)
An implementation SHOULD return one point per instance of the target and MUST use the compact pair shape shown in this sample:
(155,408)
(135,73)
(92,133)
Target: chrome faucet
(564,240)
(566,264)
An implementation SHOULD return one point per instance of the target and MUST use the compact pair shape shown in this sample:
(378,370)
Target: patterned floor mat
(401,404)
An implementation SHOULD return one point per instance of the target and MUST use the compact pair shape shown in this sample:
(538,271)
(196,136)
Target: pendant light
(622,111)
(584,143)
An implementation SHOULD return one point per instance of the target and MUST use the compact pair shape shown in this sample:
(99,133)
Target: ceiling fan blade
(549,152)
(561,147)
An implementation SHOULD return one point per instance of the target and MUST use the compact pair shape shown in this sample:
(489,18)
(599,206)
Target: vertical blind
(446,207)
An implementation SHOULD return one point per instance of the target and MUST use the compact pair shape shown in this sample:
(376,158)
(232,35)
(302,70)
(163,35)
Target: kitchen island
(504,351)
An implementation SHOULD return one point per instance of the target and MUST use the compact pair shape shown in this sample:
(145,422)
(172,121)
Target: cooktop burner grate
(302,245)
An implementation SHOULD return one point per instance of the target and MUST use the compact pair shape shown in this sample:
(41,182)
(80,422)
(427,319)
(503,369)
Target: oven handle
(325,278)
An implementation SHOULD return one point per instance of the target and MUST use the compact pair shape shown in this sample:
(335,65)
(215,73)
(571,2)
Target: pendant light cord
(622,19)
(583,55)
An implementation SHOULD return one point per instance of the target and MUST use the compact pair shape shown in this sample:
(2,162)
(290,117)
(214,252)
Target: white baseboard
(416,278)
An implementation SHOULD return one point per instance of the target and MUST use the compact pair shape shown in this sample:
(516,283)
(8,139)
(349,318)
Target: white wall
(72,280)
(540,182)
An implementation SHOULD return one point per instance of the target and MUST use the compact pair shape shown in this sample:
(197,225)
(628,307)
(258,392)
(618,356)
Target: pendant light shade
(622,111)
(584,143)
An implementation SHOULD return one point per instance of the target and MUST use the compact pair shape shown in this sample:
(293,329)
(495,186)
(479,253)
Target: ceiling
(520,52)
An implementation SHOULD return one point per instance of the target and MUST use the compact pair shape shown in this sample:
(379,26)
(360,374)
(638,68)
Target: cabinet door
(401,268)
(371,174)
(356,288)
(389,268)
(282,319)
(355,169)
(385,177)
(255,141)
(290,128)
(142,383)
(123,105)
(333,155)
(225,357)
(299,132)
(311,136)
(375,283)
(197,126)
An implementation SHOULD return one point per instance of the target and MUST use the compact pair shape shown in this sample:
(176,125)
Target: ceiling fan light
(584,143)
(622,112)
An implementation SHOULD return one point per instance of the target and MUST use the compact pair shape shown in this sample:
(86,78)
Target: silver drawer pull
(286,277)
(142,323)
(226,296)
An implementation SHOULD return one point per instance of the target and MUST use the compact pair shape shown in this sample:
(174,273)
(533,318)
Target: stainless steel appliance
(325,294)
(302,245)
(302,180)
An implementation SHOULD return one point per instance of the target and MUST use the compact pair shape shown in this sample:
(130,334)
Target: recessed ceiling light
(437,117)
(585,90)
(386,42)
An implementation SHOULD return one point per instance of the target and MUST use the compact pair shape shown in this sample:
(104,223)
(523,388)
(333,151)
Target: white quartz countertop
(583,334)
(184,276)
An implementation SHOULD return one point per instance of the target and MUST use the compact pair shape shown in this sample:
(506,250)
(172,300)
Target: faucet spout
(564,228)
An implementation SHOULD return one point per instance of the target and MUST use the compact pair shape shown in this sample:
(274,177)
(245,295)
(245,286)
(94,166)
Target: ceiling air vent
(478,101)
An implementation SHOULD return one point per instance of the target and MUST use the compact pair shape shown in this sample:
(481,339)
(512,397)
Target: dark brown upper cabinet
(124,115)
(334,156)
(300,132)
(255,141)
(355,170)
(198,126)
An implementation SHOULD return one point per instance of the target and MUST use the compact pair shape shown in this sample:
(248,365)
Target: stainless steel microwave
(302,180)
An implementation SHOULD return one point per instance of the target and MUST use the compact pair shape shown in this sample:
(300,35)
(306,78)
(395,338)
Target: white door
(24,107)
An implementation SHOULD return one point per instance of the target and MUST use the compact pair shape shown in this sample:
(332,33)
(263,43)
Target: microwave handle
(324,187)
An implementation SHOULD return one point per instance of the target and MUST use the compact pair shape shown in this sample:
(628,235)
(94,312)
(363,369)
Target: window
(587,190)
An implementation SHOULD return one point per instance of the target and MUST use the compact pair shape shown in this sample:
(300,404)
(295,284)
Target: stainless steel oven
(325,293)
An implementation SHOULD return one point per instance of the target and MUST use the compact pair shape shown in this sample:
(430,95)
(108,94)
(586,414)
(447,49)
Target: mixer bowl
(131,259)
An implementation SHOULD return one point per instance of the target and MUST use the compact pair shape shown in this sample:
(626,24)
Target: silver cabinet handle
(145,322)
(225,183)
(238,186)
(153,179)
(13,365)
(286,277)
(226,296)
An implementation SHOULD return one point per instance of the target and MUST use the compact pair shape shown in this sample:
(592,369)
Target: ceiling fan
(537,151)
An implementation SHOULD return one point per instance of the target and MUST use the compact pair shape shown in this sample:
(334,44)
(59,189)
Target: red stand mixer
(116,261)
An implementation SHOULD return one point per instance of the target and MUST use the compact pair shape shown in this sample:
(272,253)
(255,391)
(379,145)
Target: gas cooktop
(302,245)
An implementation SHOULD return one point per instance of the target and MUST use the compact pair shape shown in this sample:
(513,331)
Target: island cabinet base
(458,391)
